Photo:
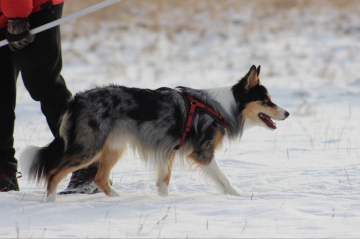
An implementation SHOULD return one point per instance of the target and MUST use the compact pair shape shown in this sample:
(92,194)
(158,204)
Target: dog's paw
(233,191)
(113,193)
(163,194)
(51,197)
(163,190)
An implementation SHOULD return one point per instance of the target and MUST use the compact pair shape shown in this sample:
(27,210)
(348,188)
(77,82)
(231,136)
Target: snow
(301,180)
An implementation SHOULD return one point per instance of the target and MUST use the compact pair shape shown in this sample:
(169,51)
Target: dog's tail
(36,163)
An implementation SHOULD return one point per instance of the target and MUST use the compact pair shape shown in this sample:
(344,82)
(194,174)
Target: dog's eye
(266,100)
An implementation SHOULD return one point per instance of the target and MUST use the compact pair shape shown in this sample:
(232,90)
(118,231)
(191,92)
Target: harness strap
(191,115)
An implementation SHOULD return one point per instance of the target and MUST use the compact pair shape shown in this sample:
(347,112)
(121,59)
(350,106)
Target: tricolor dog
(162,125)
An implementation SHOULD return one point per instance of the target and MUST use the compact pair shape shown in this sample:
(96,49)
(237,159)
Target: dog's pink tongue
(269,122)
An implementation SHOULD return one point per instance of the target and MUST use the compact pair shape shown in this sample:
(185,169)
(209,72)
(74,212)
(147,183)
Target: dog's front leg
(163,180)
(217,175)
(204,158)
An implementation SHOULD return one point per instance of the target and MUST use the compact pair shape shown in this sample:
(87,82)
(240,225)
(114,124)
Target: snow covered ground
(301,180)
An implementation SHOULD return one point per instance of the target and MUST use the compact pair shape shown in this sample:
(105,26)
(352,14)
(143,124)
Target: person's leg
(9,72)
(41,64)
(45,84)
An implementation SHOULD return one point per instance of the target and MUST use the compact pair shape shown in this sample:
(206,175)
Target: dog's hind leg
(108,160)
(54,179)
(204,159)
(67,165)
(164,175)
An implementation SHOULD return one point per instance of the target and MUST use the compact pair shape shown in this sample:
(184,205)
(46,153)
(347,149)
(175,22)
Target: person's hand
(18,34)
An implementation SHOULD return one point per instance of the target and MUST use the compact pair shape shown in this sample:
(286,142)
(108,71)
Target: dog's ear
(258,71)
(252,78)
(249,81)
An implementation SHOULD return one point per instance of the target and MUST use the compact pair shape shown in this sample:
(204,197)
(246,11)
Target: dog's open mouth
(267,120)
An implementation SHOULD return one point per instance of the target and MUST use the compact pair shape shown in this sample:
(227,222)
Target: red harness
(195,108)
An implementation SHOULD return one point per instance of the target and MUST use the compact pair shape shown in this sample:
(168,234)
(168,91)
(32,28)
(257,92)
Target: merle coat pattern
(99,124)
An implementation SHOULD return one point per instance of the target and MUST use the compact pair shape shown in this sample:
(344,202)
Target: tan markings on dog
(196,160)
(218,139)
(56,179)
(252,80)
(59,173)
(268,95)
(170,164)
(64,122)
(199,159)
(109,158)
(62,128)
(253,109)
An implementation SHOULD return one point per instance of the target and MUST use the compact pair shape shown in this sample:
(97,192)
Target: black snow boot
(8,182)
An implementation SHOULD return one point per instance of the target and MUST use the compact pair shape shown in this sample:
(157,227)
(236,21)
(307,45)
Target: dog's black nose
(287,114)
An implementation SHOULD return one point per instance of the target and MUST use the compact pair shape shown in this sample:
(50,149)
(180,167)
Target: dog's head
(254,101)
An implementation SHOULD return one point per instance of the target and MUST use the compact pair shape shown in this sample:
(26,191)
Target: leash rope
(68,18)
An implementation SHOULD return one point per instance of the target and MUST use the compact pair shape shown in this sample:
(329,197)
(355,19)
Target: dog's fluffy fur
(100,123)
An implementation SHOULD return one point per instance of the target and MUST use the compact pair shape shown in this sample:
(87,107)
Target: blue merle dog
(100,124)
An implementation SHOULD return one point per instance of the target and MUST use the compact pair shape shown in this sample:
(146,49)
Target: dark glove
(18,34)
